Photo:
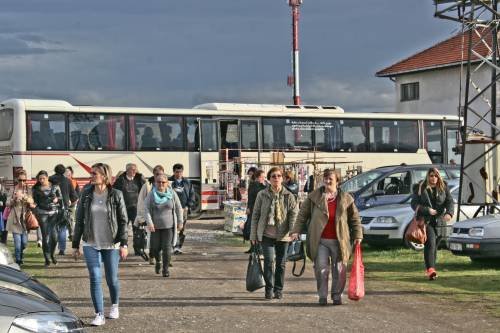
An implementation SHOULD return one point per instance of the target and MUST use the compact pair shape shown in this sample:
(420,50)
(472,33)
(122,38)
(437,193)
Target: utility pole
(294,80)
(480,132)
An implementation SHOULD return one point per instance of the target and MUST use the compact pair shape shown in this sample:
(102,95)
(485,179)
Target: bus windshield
(355,184)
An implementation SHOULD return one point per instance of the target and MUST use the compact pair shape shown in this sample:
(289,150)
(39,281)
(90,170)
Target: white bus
(37,134)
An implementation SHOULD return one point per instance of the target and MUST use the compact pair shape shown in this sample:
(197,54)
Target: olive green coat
(261,211)
(313,217)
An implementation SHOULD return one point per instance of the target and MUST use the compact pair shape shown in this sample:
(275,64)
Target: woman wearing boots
(433,202)
(164,216)
(48,199)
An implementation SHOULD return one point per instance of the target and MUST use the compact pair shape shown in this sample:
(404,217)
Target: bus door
(451,143)
(229,164)
(209,164)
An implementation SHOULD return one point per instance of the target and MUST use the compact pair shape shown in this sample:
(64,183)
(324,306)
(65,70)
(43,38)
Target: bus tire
(195,212)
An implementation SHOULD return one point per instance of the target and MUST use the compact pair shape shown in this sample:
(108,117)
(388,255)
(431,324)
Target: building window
(410,91)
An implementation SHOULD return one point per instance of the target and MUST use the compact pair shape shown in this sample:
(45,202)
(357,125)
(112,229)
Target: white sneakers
(99,319)
(114,313)
(177,250)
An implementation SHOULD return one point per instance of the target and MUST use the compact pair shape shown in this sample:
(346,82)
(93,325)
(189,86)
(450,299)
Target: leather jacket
(117,216)
(45,202)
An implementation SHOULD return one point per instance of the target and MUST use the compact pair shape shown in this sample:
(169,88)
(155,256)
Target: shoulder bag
(416,230)
(296,253)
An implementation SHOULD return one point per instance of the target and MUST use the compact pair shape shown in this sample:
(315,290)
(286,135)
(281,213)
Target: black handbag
(296,253)
(255,276)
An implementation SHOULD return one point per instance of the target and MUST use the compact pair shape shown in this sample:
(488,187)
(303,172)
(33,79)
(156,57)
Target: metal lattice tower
(480,72)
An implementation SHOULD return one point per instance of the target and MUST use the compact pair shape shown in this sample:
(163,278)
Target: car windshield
(356,183)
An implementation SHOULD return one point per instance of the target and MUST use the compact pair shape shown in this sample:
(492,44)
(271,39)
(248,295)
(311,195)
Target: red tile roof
(443,54)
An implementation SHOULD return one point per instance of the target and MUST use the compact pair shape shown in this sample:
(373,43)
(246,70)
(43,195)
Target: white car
(388,223)
(478,238)
(6,257)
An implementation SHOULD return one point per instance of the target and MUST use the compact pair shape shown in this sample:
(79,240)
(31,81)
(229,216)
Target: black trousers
(274,263)
(430,249)
(161,241)
(48,227)
(182,237)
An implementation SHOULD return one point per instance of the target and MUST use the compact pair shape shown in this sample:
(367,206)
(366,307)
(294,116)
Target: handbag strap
(301,270)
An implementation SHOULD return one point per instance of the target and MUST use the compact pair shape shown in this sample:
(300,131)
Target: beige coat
(315,210)
(141,211)
(261,211)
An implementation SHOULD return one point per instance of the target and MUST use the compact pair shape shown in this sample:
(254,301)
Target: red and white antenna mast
(294,80)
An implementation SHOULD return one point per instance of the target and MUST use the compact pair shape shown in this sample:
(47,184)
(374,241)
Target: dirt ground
(206,292)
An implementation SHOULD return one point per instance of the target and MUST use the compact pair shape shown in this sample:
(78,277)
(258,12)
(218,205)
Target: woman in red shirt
(334,221)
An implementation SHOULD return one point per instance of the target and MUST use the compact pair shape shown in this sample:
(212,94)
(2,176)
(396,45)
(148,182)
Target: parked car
(391,184)
(6,257)
(387,224)
(20,312)
(477,238)
(11,278)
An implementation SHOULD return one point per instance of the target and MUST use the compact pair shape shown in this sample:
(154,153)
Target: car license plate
(455,246)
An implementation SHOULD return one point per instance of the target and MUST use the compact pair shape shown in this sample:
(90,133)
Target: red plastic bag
(357,279)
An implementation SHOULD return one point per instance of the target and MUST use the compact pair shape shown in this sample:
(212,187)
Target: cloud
(361,96)
(27,44)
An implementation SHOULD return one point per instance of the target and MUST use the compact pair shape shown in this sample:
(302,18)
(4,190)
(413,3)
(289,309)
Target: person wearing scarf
(164,219)
(273,217)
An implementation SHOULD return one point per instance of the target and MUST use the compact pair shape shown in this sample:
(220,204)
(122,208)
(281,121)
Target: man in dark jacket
(130,183)
(69,198)
(185,192)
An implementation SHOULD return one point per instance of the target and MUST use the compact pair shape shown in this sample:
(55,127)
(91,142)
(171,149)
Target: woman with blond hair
(333,223)
(432,201)
(101,221)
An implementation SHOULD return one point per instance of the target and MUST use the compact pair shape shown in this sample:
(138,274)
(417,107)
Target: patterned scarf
(277,211)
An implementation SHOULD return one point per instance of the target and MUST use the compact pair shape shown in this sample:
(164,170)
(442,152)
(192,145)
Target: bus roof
(221,109)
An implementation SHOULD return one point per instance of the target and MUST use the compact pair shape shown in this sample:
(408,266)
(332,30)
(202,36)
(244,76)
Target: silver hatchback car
(477,238)
(387,224)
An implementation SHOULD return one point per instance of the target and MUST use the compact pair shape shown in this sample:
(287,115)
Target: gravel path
(206,292)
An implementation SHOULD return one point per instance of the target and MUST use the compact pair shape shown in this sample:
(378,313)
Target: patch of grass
(33,258)
(402,270)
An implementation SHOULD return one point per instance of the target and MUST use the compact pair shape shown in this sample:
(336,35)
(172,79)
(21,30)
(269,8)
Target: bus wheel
(195,212)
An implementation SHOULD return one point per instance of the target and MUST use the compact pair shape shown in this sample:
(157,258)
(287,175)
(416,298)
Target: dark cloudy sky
(182,53)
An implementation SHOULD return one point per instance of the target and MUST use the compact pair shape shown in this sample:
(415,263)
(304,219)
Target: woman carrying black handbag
(273,217)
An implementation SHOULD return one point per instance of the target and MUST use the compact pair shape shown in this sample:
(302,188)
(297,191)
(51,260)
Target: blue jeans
(62,234)
(110,259)
(274,263)
(20,242)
